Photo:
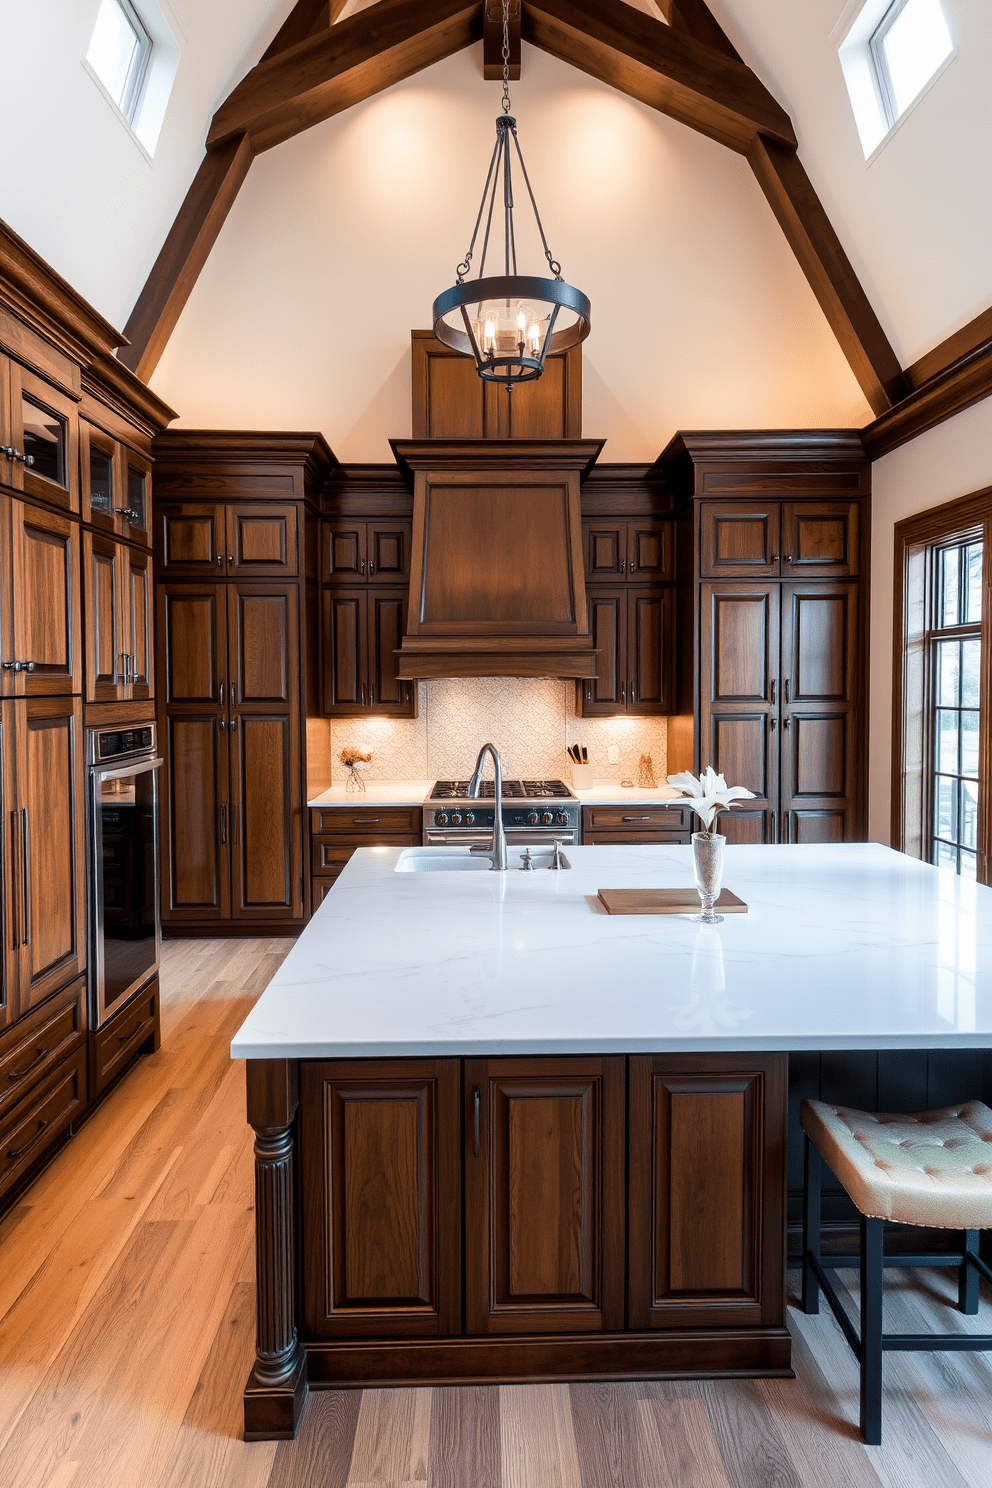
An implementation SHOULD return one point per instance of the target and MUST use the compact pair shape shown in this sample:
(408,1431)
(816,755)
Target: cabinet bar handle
(34,1140)
(774,685)
(234,691)
(363,566)
(230,557)
(372,694)
(234,722)
(774,724)
(364,821)
(475,1122)
(371,568)
(220,559)
(786,691)
(13,839)
(786,722)
(223,723)
(223,821)
(774,825)
(222,694)
(635,818)
(623,565)
(788,557)
(123,1038)
(22,1074)
(26,867)
(363,694)
(134,666)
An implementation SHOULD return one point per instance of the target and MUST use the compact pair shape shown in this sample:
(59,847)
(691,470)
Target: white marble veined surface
(848,946)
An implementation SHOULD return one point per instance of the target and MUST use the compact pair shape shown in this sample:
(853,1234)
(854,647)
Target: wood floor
(126,1318)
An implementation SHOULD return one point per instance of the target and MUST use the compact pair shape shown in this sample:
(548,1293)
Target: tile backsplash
(530,720)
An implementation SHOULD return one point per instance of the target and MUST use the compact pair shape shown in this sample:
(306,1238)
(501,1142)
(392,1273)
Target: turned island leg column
(277,1385)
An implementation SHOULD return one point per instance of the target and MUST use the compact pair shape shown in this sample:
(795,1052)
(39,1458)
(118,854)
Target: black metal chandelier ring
(493,363)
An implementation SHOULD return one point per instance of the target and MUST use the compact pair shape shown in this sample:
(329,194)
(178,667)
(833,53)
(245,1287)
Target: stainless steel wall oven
(123,842)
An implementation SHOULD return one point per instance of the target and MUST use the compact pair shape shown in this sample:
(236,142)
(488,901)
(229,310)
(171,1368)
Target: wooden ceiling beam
(661,66)
(947,380)
(492,39)
(305,19)
(353,60)
(828,269)
(695,19)
(184,252)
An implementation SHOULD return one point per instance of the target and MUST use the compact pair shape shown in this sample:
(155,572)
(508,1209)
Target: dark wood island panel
(492,1220)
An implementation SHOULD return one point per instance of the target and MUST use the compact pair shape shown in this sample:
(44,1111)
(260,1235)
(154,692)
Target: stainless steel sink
(462,860)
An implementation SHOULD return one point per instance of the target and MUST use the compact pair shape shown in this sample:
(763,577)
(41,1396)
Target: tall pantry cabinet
(236,610)
(771,536)
(61,390)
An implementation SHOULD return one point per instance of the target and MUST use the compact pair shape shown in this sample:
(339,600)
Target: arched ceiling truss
(318,66)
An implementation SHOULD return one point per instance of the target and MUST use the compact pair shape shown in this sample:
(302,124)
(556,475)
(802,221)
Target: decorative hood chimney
(496,581)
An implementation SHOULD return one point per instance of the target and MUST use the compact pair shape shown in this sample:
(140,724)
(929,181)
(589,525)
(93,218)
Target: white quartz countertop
(848,946)
(612,793)
(376,793)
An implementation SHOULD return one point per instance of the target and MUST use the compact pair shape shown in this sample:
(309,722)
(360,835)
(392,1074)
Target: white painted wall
(950,461)
(74,182)
(916,220)
(342,237)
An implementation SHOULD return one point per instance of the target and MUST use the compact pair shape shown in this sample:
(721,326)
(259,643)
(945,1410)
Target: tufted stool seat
(928,1168)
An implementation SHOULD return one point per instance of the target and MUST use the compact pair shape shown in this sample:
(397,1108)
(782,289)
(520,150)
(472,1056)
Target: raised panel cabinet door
(739,540)
(344,640)
(544,1195)
(261,542)
(266,816)
(449,397)
(263,644)
(48,826)
(650,615)
(540,412)
(387,622)
(44,429)
(605,547)
(388,545)
(380,1156)
(190,540)
(820,539)
(196,817)
(46,629)
(606,694)
(343,552)
(134,512)
(192,654)
(822,718)
(139,623)
(104,579)
(707,1140)
(649,552)
(10,925)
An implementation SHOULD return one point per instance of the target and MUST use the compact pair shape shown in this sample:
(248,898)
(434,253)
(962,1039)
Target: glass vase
(355,783)
(707,863)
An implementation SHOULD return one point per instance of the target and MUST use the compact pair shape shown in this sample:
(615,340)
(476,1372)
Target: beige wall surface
(949,461)
(341,238)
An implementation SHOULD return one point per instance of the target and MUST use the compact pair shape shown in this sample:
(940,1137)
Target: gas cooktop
(526,790)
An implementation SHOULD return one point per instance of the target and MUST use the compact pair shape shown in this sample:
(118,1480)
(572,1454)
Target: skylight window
(119,52)
(891,53)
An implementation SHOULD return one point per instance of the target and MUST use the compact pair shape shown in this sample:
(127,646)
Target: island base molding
(681,1354)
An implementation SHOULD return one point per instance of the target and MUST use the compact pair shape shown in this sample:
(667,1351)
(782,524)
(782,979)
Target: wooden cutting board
(666,901)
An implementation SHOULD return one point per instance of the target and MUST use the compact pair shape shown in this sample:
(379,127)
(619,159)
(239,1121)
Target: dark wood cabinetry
(629,569)
(229,683)
(771,595)
(451,401)
(355,553)
(362,630)
(336,831)
(39,430)
(240,540)
(561,1217)
(636,823)
(41,631)
(117,595)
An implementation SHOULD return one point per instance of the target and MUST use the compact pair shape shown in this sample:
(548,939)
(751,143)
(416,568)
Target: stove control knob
(562,818)
(547,817)
(532,818)
(440,818)
(470,818)
(456,818)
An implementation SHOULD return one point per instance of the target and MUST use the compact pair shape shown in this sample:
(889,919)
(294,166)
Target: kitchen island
(501,1134)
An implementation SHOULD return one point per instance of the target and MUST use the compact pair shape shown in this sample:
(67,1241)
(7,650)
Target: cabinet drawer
(629,837)
(116,1044)
(373,820)
(332,853)
(634,818)
(321,887)
(35,1125)
(48,1034)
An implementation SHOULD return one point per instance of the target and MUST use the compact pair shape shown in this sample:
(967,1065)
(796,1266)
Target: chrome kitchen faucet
(474,789)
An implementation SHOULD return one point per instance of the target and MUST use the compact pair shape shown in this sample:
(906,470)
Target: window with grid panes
(955,693)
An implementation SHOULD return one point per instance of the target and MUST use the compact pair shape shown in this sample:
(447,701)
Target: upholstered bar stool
(931,1168)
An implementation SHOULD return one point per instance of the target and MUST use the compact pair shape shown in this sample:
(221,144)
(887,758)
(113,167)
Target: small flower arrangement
(351,757)
(709,795)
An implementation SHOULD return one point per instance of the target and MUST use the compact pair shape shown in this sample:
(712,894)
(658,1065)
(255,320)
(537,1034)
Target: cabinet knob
(220,559)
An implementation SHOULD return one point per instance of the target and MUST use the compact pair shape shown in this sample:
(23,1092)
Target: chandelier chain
(506,56)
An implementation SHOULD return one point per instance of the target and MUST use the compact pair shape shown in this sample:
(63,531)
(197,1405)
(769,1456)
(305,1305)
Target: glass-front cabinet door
(43,435)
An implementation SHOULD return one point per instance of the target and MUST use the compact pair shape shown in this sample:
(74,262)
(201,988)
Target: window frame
(130,98)
(880,72)
(918,540)
(933,638)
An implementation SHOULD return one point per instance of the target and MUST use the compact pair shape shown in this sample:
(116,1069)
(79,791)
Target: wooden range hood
(496,578)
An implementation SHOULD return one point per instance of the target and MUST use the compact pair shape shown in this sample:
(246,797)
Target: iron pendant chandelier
(509,322)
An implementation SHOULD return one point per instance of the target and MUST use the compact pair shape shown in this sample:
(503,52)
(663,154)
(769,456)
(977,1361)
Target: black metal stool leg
(968,1277)
(872,1231)
(812,1174)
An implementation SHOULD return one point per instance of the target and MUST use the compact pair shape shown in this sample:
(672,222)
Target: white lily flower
(709,795)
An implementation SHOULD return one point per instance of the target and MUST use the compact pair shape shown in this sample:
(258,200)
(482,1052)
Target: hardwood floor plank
(681,1449)
(753,1451)
(605,1423)
(322,1451)
(464,1446)
(537,1439)
(392,1438)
